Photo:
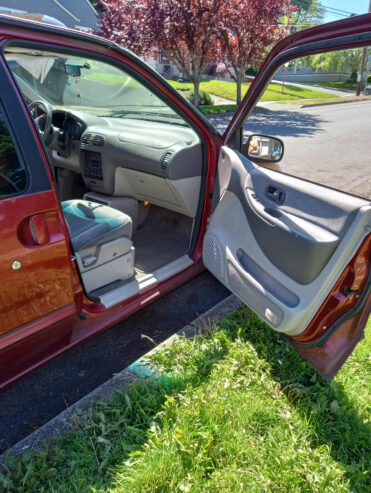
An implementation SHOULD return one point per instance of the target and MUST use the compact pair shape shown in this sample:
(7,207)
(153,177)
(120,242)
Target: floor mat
(162,238)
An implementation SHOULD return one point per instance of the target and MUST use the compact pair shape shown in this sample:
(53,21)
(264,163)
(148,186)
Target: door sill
(109,296)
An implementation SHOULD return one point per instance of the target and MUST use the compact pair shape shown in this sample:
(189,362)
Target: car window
(85,84)
(325,127)
(13,176)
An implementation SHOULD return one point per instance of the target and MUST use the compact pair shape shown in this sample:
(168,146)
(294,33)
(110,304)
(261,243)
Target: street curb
(64,422)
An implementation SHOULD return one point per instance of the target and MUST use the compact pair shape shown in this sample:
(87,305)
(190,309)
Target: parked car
(367,90)
(115,190)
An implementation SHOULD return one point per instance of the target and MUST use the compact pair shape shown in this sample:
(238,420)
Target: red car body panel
(43,284)
(328,340)
(45,325)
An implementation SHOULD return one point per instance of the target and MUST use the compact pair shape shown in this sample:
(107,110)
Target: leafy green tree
(6,144)
(309,13)
(338,61)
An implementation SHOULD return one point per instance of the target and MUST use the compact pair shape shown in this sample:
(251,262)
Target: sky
(352,6)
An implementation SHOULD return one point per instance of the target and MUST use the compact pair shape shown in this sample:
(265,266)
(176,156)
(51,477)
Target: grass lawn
(236,410)
(228,90)
(112,79)
(220,108)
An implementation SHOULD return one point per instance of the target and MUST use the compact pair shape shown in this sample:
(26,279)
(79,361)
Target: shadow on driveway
(285,123)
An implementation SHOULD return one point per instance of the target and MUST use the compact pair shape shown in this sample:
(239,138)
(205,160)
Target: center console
(92,165)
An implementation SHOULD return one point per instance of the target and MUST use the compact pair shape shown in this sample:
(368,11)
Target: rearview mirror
(263,148)
(72,70)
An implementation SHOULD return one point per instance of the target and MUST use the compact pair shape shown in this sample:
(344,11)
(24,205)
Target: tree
(308,13)
(187,30)
(124,22)
(338,61)
(248,29)
(98,5)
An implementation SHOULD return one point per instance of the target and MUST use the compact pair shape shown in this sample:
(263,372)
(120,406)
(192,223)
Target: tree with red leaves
(195,32)
(124,22)
(186,30)
(248,29)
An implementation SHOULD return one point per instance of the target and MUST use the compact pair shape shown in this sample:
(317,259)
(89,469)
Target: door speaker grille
(213,256)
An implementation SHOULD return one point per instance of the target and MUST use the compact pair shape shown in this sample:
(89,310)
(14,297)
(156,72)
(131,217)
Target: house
(75,14)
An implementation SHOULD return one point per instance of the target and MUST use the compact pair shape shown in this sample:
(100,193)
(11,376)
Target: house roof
(73,13)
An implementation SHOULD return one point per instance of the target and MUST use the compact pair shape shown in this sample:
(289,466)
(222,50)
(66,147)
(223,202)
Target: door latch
(350,291)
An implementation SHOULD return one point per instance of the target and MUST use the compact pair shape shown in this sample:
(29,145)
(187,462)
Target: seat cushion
(91,223)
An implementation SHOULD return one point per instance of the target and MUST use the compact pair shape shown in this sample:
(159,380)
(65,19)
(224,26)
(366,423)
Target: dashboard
(148,160)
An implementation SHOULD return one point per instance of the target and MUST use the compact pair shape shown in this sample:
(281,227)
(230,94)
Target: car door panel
(297,253)
(307,227)
(42,284)
(36,268)
(284,262)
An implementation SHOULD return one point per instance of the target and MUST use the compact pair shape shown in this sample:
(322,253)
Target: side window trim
(7,123)
(22,133)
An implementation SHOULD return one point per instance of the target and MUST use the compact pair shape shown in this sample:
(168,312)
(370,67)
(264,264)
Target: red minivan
(115,190)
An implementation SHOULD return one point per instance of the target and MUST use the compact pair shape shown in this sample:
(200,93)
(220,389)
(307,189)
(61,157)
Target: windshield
(84,84)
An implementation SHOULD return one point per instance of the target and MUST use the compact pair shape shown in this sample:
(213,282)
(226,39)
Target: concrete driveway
(329,144)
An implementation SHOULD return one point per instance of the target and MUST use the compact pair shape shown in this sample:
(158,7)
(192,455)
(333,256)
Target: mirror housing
(264,148)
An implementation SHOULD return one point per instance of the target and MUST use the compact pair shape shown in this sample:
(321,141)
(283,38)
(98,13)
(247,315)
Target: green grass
(112,79)
(228,90)
(236,410)
(219,108)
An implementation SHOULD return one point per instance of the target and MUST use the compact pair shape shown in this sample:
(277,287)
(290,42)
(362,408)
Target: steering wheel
(44,120)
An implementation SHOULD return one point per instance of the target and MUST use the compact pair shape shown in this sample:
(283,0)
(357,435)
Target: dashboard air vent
(86,139)
(166,160)
(98,140)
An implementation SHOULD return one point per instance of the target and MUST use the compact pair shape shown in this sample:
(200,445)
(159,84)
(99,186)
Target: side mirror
(264,149)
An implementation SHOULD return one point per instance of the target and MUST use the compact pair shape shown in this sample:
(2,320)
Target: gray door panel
(281,258)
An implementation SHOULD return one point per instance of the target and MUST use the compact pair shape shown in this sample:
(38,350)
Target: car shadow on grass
(328,407)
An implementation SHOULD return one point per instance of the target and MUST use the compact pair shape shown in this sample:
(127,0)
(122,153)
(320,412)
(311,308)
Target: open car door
(296,252)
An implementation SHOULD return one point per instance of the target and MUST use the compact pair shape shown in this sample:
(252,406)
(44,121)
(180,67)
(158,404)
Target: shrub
(353,77)
(205,98)
(369,79)
(251,70)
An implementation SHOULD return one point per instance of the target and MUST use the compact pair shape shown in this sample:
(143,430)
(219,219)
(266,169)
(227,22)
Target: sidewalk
(335,92)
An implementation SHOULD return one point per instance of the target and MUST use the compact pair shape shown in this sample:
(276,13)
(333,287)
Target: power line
(339,10)
(329,10)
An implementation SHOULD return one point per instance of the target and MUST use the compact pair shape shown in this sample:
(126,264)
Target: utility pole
(362,65)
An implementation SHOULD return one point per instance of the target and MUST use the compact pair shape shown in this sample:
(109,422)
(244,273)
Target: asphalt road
(328,144)
(36,398)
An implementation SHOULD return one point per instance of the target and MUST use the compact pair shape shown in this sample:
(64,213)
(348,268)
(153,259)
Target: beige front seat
(101,241)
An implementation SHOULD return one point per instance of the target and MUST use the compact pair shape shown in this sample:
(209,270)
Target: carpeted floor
(163,237)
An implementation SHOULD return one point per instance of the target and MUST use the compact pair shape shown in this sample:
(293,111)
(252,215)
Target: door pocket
(247,289)
(268,282)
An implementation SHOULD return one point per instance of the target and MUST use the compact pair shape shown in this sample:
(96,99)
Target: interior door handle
(276,194)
